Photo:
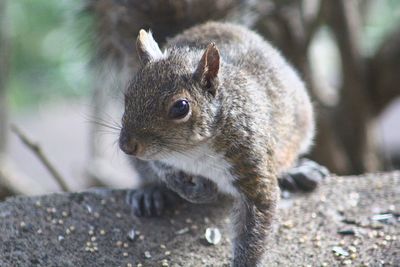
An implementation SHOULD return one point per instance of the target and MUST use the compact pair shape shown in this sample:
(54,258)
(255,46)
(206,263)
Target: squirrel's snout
(130,146)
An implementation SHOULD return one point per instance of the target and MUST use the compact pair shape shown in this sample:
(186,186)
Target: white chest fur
(205,162)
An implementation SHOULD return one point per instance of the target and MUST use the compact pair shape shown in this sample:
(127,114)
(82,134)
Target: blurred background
(64,64)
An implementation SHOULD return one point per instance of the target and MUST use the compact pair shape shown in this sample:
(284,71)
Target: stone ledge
(91,229)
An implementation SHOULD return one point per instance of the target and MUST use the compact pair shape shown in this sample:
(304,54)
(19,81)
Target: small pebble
(129,265)
(67,231)
(141,237)
(102,232)
(139,265)
(288,224)
(91,232)
(347,232)
(38,203)
(64,214)
(340,251)
(60,238)
(22,224)
(125,245)
(39,231)
(147,254)
(72,228)
(118,215)
(125,254)
(188,220)
(89,208)
(119,243)
(163,246)
(131,235)
(96,215)
(167,253)
(93,238)
(213,235)
(347,262)
(60,221)
(103,202)
(382,217)
(353,249)
(182,231)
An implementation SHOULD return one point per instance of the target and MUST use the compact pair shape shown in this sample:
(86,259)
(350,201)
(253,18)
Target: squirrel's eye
(179,109)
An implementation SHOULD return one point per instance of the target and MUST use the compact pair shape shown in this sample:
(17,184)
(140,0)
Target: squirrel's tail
(117,23)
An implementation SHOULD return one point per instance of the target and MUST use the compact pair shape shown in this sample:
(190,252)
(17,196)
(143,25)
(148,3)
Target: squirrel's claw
(150,200)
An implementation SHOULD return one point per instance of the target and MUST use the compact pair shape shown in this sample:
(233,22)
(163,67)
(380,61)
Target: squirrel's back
(279,86)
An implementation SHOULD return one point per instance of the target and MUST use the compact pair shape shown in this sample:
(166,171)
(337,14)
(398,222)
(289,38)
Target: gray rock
(305,231)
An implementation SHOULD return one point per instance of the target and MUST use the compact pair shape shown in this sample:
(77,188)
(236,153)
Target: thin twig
(35,148)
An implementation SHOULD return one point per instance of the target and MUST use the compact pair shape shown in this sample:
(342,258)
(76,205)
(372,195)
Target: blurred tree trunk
(345,140)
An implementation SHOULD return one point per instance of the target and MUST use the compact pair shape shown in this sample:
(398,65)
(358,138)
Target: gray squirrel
(218,110)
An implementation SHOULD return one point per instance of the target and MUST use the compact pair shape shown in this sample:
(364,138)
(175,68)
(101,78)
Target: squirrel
(217,110)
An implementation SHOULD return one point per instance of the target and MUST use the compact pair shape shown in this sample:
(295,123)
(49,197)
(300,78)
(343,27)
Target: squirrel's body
(262,97)
(218,104)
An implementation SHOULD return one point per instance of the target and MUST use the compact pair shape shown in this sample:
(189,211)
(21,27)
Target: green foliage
(48,57)
(382,18)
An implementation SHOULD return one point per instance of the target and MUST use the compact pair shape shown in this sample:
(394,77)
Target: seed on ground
(147,254)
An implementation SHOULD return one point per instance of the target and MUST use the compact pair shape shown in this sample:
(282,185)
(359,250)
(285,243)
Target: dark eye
(179,109)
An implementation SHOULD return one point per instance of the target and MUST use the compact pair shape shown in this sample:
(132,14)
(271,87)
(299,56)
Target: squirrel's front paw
(150,200)
(304,177)
(195,189)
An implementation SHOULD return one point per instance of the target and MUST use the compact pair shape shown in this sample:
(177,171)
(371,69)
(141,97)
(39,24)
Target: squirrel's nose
(130,146)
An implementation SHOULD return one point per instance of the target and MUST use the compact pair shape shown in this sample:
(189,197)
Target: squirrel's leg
(195,189)
(253,214)
(305,176)
(153,197)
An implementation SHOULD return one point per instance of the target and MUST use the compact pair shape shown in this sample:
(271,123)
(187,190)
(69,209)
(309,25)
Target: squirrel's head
(171,104)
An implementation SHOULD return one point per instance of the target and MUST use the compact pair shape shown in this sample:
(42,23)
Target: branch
(353,112)
(35,148)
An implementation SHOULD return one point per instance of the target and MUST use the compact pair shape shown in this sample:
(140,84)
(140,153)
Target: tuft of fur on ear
(207,70)
(147,48)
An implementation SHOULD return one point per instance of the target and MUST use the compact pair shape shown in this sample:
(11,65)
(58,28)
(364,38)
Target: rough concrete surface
(91,229)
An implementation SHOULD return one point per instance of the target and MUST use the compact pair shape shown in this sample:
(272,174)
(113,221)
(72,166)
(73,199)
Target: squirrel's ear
(147,48)
(207,70)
